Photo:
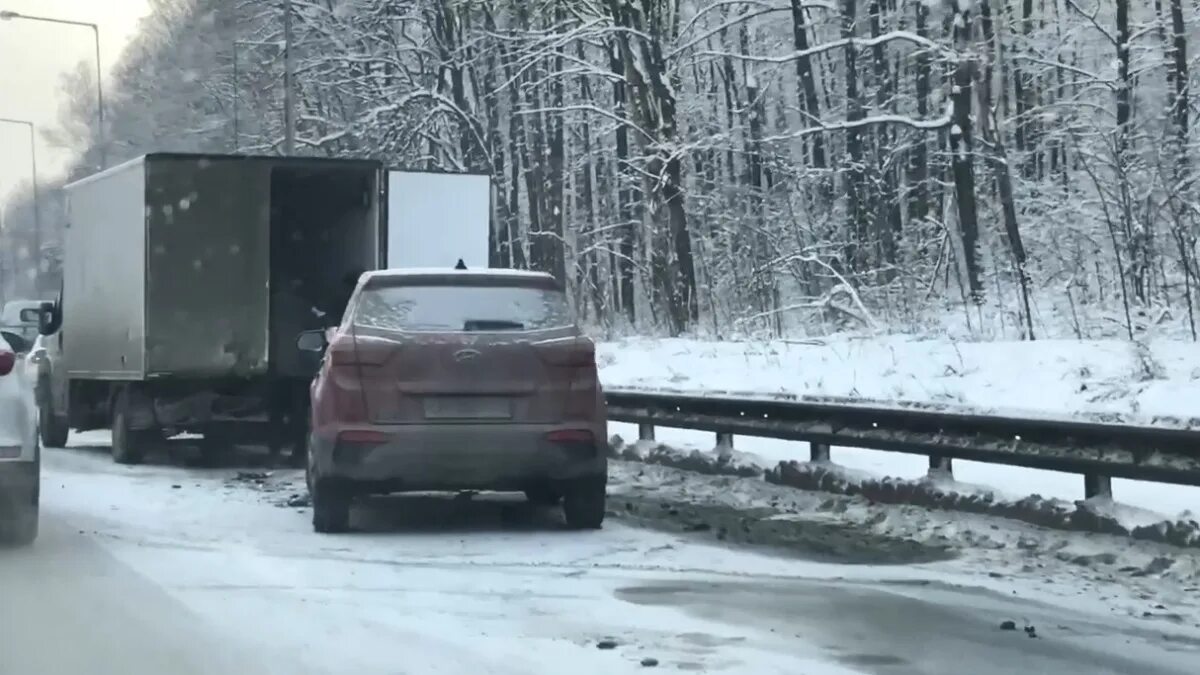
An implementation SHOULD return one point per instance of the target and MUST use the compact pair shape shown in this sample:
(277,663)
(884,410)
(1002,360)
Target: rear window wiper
(491,324)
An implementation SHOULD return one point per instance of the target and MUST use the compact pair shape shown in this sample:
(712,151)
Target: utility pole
(237,99)
(289,83)
(100,132)
(37,198)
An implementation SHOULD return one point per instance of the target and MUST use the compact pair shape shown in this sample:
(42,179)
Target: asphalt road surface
(158,569)
(67,606)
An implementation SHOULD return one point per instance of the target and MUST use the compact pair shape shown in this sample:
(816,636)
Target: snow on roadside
(1139,500)
(1121,381)
(1139,504)
(1153,582)
(1157,382)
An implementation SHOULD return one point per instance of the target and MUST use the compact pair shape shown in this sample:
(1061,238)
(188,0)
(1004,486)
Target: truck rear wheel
(543,495)
(128,445)
(299,456)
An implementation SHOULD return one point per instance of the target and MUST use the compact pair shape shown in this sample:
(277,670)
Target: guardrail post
(645,432)
(940,464)
(1095,485)
(724,444)
(818,452)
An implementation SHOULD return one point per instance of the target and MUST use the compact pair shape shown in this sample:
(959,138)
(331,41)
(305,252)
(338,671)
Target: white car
(20,454)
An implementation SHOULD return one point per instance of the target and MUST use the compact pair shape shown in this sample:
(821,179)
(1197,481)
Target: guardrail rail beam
(1099,451)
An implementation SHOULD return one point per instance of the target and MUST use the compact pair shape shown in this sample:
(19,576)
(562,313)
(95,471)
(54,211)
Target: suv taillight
(581,394)
(575,352)
(350,352)
(572,362)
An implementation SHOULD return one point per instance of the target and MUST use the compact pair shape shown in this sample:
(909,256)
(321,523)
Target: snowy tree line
(1019,168)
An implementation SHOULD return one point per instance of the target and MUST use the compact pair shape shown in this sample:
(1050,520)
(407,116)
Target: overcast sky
(33,56)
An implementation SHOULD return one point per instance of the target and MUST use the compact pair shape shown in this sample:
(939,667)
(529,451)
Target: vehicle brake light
(363,436)
(573,353)
(349,352)
(570,436)
(8,361)
(580,401)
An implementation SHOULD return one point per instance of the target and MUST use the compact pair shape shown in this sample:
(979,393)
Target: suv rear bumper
(459,456)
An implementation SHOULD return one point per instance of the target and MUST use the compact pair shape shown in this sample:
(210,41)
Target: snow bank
(934,490)
(1155,382)
(1109,380)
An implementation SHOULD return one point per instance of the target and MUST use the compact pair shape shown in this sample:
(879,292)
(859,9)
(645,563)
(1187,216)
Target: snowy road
(159,569)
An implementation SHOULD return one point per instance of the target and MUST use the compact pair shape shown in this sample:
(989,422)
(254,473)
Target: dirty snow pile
(1149,382)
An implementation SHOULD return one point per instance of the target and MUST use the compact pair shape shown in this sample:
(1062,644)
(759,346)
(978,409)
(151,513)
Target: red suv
(448,380)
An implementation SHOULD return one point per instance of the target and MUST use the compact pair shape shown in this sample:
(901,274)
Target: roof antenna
(461,265)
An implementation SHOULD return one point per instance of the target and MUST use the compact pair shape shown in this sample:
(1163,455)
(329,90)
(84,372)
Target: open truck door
(436,219)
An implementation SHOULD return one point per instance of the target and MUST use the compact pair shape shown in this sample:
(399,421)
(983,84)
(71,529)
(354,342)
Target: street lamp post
(289,96)
(7,15)
(37,209)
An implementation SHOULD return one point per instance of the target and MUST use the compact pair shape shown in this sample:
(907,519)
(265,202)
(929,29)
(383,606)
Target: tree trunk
(962,154)
(810,107)
(856,217)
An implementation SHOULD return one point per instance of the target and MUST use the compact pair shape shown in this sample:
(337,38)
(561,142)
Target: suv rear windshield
(461,308)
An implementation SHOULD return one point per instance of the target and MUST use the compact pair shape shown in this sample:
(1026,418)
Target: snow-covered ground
(701,574)
(1153,382)
(1135,381)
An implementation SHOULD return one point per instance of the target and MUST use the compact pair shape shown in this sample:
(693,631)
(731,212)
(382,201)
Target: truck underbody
(268,411)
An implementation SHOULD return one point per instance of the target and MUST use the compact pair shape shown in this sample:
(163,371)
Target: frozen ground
(161,568)
(1155,382)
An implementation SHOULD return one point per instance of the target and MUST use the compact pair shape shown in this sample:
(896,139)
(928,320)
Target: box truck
(187,278)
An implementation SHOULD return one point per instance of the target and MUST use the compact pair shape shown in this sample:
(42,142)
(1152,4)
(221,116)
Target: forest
(1002,169)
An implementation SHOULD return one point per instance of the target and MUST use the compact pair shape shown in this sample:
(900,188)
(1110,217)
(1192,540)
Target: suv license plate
(468,407)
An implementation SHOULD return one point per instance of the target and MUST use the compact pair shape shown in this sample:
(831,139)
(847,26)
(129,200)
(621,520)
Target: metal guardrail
(1099,451)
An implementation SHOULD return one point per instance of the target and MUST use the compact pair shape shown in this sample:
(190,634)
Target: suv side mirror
(49,318)
(312,341)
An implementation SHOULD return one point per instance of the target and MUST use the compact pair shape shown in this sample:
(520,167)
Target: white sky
(33,56)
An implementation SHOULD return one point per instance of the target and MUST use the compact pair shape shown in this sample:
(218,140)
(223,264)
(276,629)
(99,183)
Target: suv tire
(584,504)
(330,506)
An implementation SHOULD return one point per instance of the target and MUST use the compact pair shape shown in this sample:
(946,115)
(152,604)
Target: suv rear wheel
(584,503)
(330,505)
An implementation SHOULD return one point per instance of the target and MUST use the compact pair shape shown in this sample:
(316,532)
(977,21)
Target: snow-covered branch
(858,43)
